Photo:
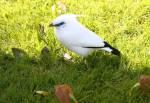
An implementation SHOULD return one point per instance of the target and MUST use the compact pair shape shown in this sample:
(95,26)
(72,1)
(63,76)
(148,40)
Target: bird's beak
(51,25)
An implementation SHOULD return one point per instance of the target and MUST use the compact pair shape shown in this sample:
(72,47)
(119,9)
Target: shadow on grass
(21,75)
(108,78)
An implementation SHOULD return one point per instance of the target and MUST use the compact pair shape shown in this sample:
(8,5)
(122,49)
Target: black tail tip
(115,52)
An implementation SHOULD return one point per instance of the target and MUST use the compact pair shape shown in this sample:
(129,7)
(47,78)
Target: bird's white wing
(89,39)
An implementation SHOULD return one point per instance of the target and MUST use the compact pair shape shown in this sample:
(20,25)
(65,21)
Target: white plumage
(76,37)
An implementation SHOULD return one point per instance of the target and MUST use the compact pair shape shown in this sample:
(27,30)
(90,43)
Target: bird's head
(64,19)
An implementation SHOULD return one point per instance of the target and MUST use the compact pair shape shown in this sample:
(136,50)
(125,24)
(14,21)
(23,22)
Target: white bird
(77,38)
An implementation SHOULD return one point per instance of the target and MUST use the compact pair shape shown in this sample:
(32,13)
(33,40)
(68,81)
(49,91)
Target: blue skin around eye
(60,24)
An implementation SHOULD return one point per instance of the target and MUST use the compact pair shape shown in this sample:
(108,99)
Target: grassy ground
(123,23)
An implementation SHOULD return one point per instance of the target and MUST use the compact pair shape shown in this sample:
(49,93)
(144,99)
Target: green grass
(123,23)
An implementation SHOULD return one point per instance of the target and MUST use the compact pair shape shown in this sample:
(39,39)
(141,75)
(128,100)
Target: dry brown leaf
(144,82)
(64,93)
(18,53)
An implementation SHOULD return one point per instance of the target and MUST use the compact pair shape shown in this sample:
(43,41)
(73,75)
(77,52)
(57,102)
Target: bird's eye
(59,24)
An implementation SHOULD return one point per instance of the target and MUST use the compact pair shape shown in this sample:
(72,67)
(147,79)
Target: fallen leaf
(18,53)
(42,93)
(45,51)
(64,93)
(67,56)
(46,56)
(144,83)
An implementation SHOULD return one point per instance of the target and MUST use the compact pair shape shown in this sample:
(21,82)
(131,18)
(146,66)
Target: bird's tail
(109,48)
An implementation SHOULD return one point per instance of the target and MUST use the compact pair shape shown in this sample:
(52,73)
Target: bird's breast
(66,37)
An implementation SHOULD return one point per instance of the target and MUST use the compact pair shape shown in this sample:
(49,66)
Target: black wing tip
(115,52)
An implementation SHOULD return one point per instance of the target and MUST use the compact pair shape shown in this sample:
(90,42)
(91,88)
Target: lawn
(125,24)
